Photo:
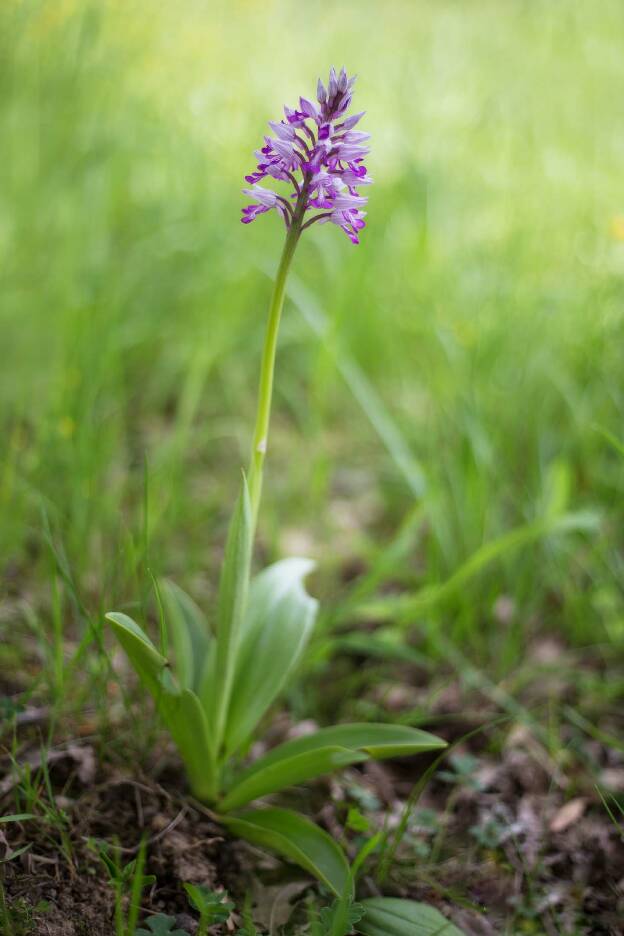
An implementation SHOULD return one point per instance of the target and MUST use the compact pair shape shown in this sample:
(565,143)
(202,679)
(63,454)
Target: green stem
(265,393)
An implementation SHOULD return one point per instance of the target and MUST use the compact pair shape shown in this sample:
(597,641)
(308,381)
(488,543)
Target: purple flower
(267,200)
(316,151)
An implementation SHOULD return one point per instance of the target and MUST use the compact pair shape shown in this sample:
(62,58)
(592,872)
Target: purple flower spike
(316,151)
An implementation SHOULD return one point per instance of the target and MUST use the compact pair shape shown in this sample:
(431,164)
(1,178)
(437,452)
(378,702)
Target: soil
(63,876)
(505,838)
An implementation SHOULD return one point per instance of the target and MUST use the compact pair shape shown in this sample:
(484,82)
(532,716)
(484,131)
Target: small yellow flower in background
(617,227)
(66,427)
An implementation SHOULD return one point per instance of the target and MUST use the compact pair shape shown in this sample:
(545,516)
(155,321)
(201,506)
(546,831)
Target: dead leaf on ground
(568,814)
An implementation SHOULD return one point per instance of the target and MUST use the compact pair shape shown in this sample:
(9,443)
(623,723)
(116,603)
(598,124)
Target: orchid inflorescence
(316,150)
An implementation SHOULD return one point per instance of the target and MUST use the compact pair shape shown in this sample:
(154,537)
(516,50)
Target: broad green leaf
(232,603)
(390,916)
(186,720)
(151,666)
(189,632)
(278,623)
(160,925)
(288,772)
(296,838)
(179,708)
(372,740)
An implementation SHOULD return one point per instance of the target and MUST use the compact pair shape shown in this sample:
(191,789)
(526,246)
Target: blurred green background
(479,326)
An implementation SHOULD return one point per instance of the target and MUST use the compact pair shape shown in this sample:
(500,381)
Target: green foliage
(17,919)
(297,839)
(463,772)
(160,925)
(491,833)
(145,291)
(127,881)
(231,610)
(179,708)
(248,928)
(212,906)
(357,821)
(261,660)
(614,806)
(192,642)
(390,916)
(341,917)
(322,752)
(276,630)
(262,645)
(119,320)
(213,692)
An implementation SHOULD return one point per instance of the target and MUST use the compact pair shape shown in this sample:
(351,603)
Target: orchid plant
(213,686)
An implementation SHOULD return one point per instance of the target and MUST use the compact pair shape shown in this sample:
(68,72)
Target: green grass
(483,308)
(449,396)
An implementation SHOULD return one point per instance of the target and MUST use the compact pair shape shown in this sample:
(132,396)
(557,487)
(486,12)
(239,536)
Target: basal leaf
(186,720)
(179,708)
(232,603)
(150,665)
(289,771)
(391,916)
(188,629)
(297,839)
(278,623)
(372,740)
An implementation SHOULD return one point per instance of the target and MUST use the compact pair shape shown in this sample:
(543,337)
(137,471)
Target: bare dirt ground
(504,838)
